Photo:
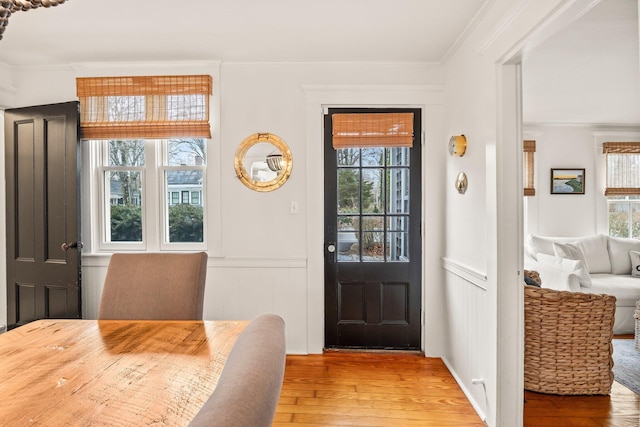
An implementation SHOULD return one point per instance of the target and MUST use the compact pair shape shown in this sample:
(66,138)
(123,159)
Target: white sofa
(591,264)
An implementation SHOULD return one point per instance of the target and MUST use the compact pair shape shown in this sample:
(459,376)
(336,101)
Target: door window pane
(398,156)
(348,190)
(372,238)
(398,246)
(372,190)
(348,157)
(348,247)
(373,156)
(398,190)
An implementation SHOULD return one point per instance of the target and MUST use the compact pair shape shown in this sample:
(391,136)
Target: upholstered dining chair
(248,390)
(154,286)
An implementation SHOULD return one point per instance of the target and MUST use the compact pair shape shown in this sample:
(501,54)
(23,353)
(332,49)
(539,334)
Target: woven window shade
(372,130)
(528,168)
(141,107)
(623,168)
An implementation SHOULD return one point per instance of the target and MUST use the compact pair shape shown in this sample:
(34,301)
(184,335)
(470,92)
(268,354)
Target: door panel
(41,148)
(373,244)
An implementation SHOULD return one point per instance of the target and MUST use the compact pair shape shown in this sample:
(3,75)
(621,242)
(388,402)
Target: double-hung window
(623,188)
(150,137)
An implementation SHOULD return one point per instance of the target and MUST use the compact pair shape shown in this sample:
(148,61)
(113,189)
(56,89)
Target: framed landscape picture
(567,181)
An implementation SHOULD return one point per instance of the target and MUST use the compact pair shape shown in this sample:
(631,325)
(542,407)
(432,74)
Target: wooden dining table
(111,373)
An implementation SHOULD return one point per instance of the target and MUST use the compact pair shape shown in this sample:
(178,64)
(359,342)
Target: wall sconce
(457,145)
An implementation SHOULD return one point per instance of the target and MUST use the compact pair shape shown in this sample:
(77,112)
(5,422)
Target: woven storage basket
(568,345)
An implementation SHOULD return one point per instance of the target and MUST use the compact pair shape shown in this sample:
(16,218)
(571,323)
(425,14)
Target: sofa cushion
(543,244)
(635,263)
(595,249)
(596,252)
(571,266)
(619,249)
(626,289)
(570,251)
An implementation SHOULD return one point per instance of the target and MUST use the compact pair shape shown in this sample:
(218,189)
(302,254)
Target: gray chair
(154,286)
(249,387)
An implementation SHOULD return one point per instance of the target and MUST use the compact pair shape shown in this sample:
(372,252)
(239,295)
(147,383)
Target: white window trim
(164,222)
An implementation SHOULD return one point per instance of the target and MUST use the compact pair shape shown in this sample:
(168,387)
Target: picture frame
(567,180)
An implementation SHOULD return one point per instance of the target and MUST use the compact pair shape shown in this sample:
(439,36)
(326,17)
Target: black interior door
(43,262)
(373,243)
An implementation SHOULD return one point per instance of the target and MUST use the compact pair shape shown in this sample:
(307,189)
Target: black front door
(372,242)
(43,262)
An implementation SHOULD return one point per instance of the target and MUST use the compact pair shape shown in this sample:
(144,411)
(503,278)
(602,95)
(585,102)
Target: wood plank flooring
(407,390)
(371,390)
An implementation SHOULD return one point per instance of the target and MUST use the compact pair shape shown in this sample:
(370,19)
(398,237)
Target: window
(529,167)
(150,137)
(623,188)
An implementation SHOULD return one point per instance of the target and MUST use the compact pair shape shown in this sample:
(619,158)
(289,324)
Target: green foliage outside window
(126,223)
(185,223)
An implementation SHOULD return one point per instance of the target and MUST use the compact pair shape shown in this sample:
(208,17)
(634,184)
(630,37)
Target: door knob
(75,245)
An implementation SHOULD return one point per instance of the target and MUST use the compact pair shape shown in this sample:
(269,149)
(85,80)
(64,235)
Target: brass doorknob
(66,246)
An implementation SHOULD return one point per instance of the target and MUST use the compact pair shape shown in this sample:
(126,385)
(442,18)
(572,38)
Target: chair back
(248,389)
(154,286)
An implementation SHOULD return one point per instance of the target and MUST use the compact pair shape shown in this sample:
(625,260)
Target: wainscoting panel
(236,289)
(467,344)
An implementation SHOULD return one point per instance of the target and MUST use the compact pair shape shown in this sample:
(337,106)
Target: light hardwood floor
(407,390)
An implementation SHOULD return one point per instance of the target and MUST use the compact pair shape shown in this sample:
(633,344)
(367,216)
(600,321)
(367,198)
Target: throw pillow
(571,266)
(529,281)
(570,251)
(635,263)
(596,253)
(619,249)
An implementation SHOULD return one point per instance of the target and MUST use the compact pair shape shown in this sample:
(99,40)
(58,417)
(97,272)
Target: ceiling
(236,30)
(587,73)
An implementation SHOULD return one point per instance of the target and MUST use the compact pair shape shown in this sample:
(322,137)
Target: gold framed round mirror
(263,162)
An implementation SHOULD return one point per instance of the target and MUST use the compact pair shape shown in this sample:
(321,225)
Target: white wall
(571,146)
(483,329)
(260,255)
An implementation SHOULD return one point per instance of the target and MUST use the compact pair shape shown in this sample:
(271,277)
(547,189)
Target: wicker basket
(568,342)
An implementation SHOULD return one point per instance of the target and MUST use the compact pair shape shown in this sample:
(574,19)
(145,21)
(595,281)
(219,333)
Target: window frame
(163,231)
(631,202)
(155,208)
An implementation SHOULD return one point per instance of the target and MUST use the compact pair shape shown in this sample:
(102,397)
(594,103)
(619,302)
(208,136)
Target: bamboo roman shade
(623,168)
(352,130)
(138,107)
(528,167)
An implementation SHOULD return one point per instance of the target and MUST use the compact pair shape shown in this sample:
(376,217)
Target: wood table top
(111,372)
